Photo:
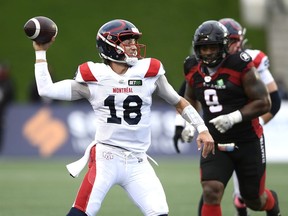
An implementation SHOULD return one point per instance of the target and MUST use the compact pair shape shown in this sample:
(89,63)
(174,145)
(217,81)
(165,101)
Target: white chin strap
(131,61)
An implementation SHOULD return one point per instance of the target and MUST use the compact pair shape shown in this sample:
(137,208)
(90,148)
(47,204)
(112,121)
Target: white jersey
(122,103)
(261,62)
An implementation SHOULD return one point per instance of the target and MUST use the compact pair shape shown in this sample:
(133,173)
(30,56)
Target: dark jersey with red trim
(122,103)
(223,93)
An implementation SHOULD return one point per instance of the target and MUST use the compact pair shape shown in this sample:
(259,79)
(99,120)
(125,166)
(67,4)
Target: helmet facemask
(110,42)
(212,59)
(211,33)
(132,50)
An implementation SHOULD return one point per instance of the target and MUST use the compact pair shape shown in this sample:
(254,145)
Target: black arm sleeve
(276,102)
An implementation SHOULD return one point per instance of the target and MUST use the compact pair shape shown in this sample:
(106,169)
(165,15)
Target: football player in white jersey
(120,92)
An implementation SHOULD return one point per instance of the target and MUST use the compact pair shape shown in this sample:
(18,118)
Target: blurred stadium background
(40,139)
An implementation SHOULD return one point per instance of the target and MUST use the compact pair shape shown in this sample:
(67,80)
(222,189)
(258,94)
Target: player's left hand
(188,133)
(206,142)
(224,122)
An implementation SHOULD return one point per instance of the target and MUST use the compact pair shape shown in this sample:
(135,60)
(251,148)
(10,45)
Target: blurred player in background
(261,62)
(237,42)
(232,98)
(7,90)
(120,92)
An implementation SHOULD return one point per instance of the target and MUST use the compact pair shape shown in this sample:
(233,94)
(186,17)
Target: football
(40,29)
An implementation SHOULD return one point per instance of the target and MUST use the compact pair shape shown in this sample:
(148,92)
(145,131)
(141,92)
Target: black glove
(177,136)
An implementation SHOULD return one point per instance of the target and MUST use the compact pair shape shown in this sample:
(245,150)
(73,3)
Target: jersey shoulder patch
(239,62)
(239,58)
(245,56)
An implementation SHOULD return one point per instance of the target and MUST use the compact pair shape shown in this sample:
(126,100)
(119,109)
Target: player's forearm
(266,118)
(191,115)
(255,109)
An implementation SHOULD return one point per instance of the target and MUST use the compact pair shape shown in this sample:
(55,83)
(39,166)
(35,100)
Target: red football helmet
(236,31)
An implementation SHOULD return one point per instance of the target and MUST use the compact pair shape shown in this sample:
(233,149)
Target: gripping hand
(188,133)
(224,122)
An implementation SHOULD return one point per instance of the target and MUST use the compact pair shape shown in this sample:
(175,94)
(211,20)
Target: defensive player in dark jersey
(237,42)
(232,97)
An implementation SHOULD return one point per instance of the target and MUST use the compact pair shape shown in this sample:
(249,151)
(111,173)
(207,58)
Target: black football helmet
(111,34)
(236,31)
(211,32)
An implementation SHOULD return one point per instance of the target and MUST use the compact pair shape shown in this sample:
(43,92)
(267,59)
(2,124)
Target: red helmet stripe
(119,27)
(153,68)
(86,72)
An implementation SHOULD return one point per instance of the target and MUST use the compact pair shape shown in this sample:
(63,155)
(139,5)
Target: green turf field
(44,188)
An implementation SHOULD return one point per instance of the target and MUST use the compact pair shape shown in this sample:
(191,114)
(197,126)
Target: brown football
(40,29)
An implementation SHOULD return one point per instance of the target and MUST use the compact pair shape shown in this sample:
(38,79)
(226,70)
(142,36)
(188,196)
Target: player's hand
(39,47)
(224,122)
(206,143)
(188,133)
(177,136)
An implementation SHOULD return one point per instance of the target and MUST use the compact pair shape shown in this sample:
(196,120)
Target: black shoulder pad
(189,62)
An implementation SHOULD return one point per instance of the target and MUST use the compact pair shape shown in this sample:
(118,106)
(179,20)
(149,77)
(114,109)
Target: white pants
(110,166)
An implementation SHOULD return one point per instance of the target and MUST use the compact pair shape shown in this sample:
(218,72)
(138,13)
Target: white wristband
(41,54)
(193,117)
(201,128)
(236,116)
